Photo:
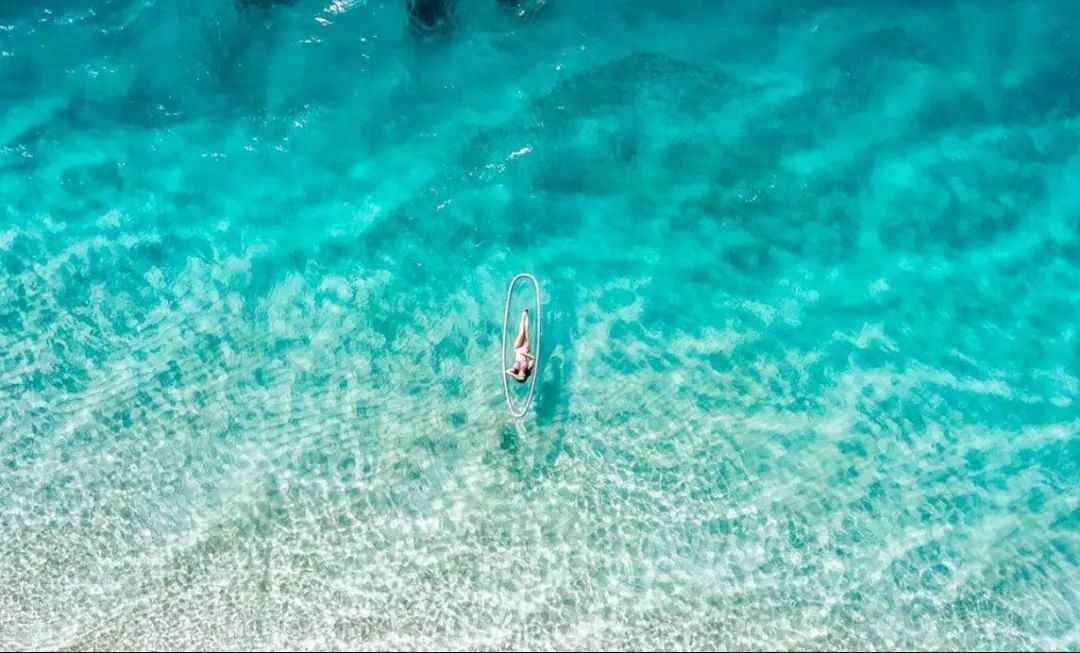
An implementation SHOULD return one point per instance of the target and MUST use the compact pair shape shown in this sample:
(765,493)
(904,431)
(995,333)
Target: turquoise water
(812,285)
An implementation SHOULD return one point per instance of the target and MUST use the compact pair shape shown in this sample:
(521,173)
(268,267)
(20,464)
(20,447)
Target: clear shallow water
(811,273)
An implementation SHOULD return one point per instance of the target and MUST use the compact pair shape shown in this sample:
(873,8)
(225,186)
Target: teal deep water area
(811,273)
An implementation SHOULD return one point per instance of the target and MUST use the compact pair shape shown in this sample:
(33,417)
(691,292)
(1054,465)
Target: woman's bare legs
(523,331)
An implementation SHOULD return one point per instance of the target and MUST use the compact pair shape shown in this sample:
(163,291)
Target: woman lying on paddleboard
(523,361)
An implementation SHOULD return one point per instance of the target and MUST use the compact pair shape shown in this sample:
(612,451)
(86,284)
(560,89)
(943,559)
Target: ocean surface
(811,276)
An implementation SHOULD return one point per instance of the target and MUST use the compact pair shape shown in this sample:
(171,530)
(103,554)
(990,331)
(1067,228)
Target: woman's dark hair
(522,379)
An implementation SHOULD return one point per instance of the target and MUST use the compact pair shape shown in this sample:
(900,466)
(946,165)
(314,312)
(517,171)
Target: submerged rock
(241,4)
(430,16)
